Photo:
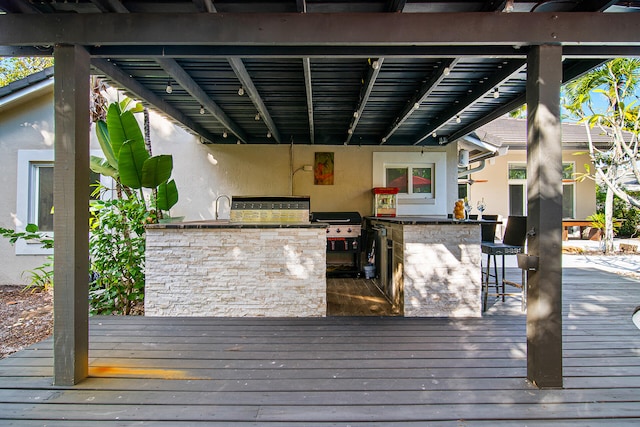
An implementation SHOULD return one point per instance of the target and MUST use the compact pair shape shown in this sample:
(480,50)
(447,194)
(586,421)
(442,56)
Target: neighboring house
(502,183)
(204,172)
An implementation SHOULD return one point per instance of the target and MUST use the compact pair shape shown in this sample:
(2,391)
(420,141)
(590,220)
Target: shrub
(117,246)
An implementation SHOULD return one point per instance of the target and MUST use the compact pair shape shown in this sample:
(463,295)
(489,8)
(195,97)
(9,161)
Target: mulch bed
(26,317)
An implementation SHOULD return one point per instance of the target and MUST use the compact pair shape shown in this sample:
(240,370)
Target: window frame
(523,183)
(410,167)
(26,199)
(416,203)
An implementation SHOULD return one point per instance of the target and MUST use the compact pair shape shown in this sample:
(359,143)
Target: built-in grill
(344,239)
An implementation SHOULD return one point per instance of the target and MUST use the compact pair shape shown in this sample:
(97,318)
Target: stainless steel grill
(344,238)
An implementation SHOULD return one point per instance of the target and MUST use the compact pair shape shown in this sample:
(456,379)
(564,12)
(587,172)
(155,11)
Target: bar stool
(513,242)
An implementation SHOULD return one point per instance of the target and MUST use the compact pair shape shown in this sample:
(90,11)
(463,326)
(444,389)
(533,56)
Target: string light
(269,134)
(458,119)
(202,110)
(241,91)
(496,93)
(446,71)
(224,134)
(169,88)
(257,117)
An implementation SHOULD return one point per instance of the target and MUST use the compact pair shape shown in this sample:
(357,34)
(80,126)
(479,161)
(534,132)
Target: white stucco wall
(23,126)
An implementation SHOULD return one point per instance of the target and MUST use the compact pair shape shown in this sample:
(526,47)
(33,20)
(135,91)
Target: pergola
(320,72)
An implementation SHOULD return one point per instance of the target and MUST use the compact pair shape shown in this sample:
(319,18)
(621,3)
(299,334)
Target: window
(421,179)
(517,173)
(517,188)
(40,193)
(35,195)
(568,191)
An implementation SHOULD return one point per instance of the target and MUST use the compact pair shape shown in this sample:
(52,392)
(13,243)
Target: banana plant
(126,158)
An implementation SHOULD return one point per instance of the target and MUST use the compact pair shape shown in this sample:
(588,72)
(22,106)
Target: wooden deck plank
(360,371)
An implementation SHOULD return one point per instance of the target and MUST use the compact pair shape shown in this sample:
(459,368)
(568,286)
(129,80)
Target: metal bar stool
(513,242)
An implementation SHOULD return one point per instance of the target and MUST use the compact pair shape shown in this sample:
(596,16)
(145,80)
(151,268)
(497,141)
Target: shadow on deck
(339,371)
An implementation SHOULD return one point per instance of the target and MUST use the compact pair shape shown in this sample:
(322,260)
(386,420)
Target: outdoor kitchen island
(429,266)
(222,268)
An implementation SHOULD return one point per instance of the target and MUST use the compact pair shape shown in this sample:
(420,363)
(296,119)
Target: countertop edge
(413,220)
(227,224)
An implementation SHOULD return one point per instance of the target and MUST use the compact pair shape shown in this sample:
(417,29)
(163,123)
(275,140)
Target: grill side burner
(344,238)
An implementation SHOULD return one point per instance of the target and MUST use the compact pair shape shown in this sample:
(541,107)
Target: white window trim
(416,204)
(25,159)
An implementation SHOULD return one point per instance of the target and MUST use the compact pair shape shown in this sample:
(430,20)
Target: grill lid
(352,218)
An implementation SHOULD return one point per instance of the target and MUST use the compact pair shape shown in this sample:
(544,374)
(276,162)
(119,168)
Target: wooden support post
(71,218)
(544,187)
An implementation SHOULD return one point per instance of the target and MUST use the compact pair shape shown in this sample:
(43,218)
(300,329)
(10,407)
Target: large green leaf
(156,170)
(122,126)
(167,195)
(102,132)
(102,166)
(131,160)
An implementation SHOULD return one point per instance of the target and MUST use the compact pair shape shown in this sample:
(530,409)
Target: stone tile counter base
(436,265)
(236,272)
(442,270)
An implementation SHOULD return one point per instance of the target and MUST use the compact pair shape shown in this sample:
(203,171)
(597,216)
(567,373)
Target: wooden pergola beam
(446,29)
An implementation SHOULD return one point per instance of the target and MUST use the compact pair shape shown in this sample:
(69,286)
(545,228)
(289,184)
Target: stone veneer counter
(436,265)
(219,268)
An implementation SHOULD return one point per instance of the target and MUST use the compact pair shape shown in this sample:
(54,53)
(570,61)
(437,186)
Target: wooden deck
(342,371)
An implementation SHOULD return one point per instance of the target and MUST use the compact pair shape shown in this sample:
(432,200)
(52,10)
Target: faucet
(220,197)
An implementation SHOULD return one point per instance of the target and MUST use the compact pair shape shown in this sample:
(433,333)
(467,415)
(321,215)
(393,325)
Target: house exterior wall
(202,172)
(496,190)
(23,126)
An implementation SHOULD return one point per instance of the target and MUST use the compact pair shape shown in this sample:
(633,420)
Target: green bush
(117,246)
(624,212)
(40,277)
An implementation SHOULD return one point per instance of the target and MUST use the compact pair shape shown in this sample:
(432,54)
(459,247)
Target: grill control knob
(337,230)
(349,230)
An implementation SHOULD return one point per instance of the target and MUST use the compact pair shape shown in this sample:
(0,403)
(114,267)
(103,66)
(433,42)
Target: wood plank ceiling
(306,96)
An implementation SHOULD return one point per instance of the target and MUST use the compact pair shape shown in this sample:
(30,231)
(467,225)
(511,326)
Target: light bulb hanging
(169,88)
(458,119)
(257,117)
(241,91)
(496,93)
(202,110)
(224,134)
